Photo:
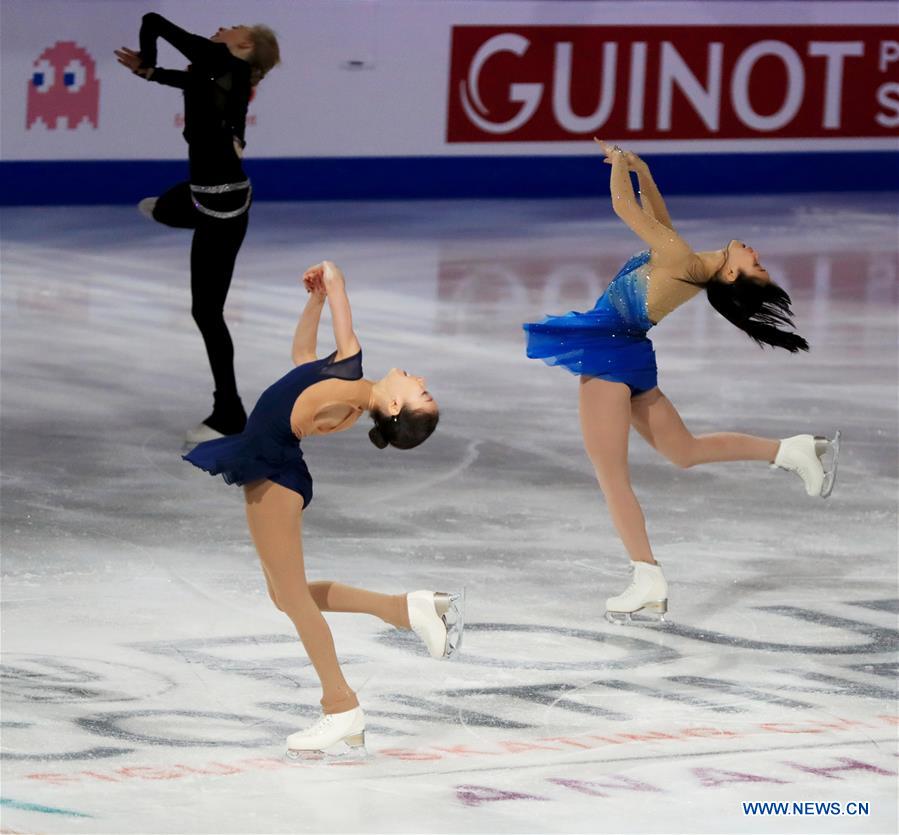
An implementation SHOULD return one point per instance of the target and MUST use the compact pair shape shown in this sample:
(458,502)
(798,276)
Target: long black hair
(757,309)
(404,430)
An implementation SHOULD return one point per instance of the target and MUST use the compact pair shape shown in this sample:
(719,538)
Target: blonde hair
(266,53)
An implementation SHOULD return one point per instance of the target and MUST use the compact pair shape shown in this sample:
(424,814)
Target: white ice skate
(201,432)
(813,458)
(334,735)
(648,591)
(146,206)
(437,618)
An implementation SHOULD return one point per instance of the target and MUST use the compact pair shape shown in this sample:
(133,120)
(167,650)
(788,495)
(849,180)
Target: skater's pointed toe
(436,617)
(797,455)
(146,207)
(813,459)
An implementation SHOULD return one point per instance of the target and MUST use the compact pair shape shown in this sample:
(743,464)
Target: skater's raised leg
(174,207)
(436,617)
(655,418)
(336,597)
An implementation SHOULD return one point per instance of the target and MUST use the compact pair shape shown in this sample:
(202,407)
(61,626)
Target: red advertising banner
(563,83)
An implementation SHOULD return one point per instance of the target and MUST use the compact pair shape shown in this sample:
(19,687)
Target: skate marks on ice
(571,678)
(574,719)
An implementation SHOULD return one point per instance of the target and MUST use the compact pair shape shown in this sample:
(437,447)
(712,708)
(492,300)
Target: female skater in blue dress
(320,397)
(608,349)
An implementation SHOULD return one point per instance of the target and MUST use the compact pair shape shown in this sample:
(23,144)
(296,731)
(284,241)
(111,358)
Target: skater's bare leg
(336,597)
(274,515)
(655,418)
(416,611)
(605,411)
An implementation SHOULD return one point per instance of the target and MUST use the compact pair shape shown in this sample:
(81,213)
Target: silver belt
(225,188)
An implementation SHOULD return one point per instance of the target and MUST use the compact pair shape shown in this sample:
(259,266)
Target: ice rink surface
(148,682)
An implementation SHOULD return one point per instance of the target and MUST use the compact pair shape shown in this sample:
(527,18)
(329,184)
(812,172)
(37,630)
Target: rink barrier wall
(91,182)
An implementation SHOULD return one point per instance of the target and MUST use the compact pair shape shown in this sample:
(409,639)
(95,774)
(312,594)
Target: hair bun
(375,436)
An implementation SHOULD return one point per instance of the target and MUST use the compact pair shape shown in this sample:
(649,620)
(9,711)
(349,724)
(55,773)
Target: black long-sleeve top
(216,89)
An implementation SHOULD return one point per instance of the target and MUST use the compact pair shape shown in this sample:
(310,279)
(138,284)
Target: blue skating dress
(267,448)
(608,341)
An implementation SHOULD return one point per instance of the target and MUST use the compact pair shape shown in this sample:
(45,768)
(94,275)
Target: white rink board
(315,106)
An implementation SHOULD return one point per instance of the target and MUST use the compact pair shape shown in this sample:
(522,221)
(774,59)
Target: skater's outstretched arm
(650,196)
(341,315)
(662,239)
(305,338)
(200,51)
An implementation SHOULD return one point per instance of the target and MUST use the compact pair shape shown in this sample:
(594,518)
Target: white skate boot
(648,590)
(335,734)
(813,458)
(437,618)
(146,206)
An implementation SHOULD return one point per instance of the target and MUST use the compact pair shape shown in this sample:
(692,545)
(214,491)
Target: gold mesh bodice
(666,293)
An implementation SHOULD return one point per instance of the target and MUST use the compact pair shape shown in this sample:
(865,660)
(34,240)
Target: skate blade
(347,750)
(451,609)
(822,447)
(652,614)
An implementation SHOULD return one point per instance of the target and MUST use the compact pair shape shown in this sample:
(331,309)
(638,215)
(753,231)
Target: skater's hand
(634,163)
(312,281)
(131,59)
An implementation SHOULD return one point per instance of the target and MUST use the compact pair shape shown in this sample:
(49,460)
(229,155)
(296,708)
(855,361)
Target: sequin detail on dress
(608,341)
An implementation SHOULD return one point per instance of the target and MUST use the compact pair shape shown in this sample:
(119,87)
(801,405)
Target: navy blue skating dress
(267,448)
(608,341)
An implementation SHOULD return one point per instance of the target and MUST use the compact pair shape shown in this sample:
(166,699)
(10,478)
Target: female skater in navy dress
(608,349)
(215,203)
(321,397)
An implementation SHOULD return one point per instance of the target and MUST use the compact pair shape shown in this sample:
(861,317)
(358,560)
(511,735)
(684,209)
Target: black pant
(213,252)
